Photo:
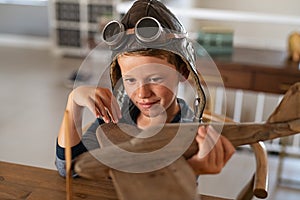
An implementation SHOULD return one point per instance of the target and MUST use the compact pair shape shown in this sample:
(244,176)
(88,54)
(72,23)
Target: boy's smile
(151,83)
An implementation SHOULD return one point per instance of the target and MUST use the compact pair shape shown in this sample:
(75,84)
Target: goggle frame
(158,35)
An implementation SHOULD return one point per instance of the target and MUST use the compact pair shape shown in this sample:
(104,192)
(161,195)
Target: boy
(150,56)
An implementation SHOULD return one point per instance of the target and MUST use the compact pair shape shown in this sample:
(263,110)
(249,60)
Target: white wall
(29,20)
(251,34)
(287,7)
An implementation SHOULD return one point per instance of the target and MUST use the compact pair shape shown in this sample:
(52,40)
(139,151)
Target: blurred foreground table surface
(33,183)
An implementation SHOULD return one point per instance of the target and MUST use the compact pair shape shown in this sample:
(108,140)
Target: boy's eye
(155,80)
(129,80)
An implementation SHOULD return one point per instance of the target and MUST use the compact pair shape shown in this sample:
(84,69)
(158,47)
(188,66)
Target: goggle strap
(175,35)
(131,31)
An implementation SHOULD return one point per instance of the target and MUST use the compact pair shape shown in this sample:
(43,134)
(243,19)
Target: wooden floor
(33,97)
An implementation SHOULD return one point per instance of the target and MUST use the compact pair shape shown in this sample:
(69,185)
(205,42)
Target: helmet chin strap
(200,100)
(198,111)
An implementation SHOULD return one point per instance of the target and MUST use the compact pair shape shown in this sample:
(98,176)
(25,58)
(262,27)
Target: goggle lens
(111,32)
(148,29)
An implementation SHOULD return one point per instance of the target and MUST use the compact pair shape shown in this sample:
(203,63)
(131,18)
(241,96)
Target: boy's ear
(183,70)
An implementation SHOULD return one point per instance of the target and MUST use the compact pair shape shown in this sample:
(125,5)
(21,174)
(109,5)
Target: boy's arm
(99,101)
(75,123)
(88,142)
(75,118)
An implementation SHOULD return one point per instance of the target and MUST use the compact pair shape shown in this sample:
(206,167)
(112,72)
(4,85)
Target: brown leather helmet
(178,44)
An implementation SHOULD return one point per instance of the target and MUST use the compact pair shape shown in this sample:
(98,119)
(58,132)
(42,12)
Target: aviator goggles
(147,31)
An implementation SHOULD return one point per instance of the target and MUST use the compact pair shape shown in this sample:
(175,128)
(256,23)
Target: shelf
(74,24)
(224,15)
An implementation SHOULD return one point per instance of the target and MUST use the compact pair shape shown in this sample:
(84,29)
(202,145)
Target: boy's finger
(103,113)
(116,112)
(202,131)
(111,106)
(228,148)
(92,106)
(116,107)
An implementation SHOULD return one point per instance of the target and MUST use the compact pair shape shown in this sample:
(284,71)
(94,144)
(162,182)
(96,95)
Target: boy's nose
(144,91)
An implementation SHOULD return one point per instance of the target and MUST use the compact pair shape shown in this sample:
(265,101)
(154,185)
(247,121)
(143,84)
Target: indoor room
(248,57)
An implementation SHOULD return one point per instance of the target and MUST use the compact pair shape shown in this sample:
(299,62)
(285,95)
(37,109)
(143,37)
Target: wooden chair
(258,184)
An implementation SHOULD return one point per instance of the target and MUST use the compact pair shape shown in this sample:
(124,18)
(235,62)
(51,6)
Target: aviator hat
(156,13)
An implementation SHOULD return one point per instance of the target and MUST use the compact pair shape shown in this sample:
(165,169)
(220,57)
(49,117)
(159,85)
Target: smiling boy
(149,66)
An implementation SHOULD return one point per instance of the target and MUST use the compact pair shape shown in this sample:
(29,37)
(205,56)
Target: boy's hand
(214,151)
(98,100)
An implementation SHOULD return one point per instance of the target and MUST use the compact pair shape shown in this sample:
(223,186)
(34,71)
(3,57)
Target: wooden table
(32,183)
(254,69)
(26,182)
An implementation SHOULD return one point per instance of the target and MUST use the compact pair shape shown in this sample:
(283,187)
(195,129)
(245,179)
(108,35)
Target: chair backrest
(257,185)
(244,106)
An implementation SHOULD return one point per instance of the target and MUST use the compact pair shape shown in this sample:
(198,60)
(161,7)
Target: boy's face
(151,83)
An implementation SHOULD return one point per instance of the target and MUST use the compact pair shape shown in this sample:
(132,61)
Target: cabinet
(75,24)
(255,69)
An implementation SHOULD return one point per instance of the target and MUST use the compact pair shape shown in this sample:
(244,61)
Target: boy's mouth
(147,105)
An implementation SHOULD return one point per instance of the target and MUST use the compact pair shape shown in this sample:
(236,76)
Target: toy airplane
(176,180)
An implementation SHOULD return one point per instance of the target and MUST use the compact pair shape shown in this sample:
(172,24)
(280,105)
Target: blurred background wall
(272,35)
(24,18)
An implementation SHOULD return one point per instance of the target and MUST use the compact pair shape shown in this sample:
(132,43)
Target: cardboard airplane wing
(173,178)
